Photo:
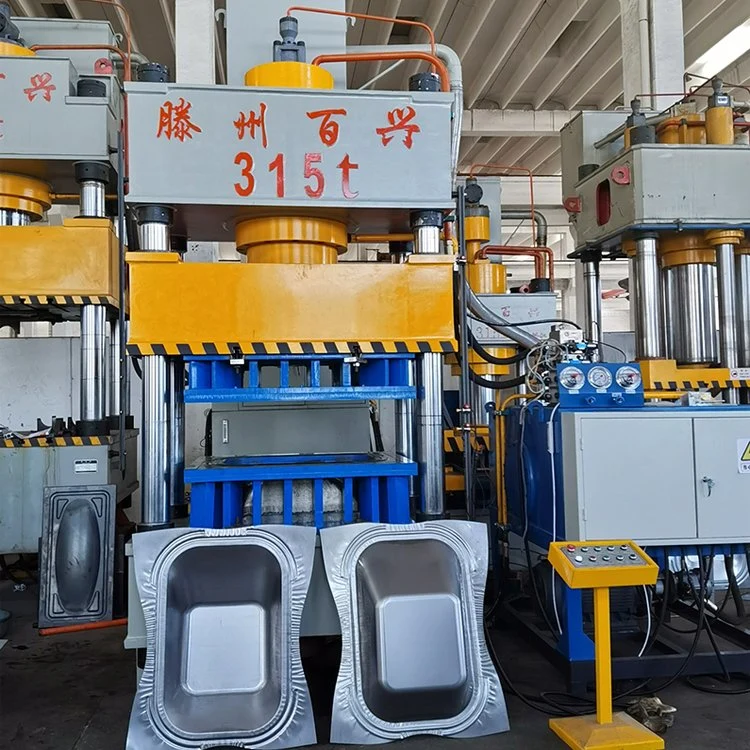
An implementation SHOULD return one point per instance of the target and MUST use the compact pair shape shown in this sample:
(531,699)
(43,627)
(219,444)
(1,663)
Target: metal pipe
(155,444)
(157,447)
(480,397)
(728,352)
(93,197)
(115,373)
(592,285)
(405,428)
(649,332)
(93,358)
(542,225)
(176,417)
(742,279)
(670,311)
(124,386)
(463,350)
(430,436)
(693,313)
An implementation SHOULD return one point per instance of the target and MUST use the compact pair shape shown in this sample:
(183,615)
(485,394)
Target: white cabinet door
(723,490)
(637,480)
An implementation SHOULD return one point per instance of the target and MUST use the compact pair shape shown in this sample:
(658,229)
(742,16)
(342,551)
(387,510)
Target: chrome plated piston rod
(92,178)
(728,350)
(692,316)
(742,280)
(649,332)
(161,442)
(426,226)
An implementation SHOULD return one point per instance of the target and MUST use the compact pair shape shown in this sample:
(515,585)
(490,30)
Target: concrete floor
(74,693)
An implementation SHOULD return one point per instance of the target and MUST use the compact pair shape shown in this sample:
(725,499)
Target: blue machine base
(380,482)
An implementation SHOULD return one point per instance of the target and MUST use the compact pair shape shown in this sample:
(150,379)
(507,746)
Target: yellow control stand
(601,566)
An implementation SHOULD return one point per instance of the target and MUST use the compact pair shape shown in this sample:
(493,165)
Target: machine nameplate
(86,466)
(250,146)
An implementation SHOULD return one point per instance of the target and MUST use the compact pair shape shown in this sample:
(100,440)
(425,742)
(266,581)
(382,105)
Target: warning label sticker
(743,455)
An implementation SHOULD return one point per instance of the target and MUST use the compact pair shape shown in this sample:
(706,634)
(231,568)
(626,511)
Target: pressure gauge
(628,377)
(600,377)
(571,378)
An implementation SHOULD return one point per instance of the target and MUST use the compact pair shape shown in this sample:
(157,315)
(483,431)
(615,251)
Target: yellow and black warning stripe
(235,348)
(55,300)
(455,443)
(55,442)
(690,385)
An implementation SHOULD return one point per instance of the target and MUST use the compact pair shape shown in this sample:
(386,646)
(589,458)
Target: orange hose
(84,627)
(539,252)
(372,56)
(534,252)
(108,47)
(367,17)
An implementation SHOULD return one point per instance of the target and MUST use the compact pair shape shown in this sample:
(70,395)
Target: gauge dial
(600,377)
(571,378)
(628,377)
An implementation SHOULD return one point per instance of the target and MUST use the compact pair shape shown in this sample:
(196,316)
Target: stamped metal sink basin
(414,660)
(223,610)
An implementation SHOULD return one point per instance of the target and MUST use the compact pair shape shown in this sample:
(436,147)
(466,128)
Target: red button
(571,548)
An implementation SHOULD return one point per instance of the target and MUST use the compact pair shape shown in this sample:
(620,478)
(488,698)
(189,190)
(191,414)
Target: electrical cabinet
(666,476)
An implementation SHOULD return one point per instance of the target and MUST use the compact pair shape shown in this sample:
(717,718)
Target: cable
(647,639)
(491,358)
(524,503)
(551,451)
(497,385)
(616,348)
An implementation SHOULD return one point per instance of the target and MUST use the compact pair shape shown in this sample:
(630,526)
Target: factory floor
(74,692)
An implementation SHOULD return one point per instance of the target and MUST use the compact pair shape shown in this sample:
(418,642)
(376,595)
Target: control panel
(599,385)
(602,564)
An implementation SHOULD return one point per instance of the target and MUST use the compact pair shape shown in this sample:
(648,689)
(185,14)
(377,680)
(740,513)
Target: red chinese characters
(400,121)
(40,84)
(250,122)
(329,128)
(175,121)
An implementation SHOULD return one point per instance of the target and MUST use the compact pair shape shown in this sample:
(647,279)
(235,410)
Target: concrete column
(195,41)
(653,49)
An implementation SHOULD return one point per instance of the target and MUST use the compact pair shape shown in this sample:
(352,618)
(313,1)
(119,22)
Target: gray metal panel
(65,128)
(202,169)
(25,472)
(68,31)
(577,139)
(253,27)
(667,186)
(253,430)
(724,507)
(516,308)
(49,392)
(77,555)
(635,479)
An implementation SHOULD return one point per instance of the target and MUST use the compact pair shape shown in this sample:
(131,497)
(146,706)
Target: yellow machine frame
(253,308)
(73,264)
